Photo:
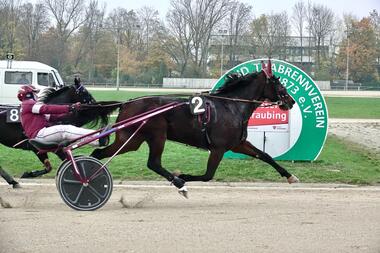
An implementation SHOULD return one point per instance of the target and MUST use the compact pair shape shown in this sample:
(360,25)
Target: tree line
(197,38)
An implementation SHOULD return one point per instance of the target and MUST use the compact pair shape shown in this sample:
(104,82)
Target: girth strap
(203,120)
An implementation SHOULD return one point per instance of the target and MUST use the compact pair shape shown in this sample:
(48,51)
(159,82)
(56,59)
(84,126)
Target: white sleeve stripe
(36,108)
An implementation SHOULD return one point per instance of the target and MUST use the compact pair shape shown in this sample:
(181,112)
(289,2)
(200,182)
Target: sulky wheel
(84,196)
(63,164)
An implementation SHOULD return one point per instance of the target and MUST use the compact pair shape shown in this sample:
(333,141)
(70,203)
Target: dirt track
(362,131)
(216,218)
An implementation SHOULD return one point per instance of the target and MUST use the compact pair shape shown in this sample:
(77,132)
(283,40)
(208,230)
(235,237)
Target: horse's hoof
(16,186)
(27,175)
(34,173)
(293,179)
(183,191)
(178,182)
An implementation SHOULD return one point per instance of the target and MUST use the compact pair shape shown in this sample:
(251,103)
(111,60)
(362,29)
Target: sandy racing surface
(365,132)
(217,218)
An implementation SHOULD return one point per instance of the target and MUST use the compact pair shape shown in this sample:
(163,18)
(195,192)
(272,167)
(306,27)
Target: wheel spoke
(83,169)
(70,181)
(95,192)
(79,194)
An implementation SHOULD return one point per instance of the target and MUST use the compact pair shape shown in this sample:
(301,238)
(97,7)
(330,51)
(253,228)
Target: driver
(37,119)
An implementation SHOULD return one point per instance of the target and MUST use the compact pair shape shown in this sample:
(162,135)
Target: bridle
(80,89)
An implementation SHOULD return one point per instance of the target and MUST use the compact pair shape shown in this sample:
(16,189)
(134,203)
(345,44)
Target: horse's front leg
(248,149)
(214,159)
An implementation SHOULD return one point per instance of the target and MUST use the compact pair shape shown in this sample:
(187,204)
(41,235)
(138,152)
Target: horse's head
(67,95)
(81,93)
(274,90)
(256,86)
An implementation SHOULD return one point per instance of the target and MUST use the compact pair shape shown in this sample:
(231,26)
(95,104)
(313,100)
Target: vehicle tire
(84,197)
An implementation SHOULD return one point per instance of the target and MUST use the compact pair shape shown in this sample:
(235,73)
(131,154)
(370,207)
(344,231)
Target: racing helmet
(26,92)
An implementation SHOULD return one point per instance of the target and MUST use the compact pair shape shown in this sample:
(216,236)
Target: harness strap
(203,120)
(19,143)
(205,94)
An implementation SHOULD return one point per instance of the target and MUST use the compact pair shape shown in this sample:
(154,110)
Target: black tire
(84,197)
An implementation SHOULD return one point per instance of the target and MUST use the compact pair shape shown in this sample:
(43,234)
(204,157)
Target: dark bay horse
(230,108)
(11,134)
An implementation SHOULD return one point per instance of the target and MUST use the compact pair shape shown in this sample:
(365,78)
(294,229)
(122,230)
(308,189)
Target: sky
(359,8)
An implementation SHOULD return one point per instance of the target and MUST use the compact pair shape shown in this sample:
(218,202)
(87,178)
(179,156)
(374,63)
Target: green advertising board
(311,118)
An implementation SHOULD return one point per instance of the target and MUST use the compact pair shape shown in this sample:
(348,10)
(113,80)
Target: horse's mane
(98,111)
(49,93)
(235,80)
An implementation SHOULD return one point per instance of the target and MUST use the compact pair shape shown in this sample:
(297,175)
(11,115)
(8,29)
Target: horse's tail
(99,111)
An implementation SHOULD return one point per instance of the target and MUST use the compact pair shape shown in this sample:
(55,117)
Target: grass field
(340,161)
(355,108)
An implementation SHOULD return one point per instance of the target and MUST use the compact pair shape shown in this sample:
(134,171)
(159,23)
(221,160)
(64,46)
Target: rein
(8,106)
(207,94)
(253,101)
(109,105)
(4,108)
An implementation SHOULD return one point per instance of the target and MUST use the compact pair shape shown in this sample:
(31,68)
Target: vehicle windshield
(58,78)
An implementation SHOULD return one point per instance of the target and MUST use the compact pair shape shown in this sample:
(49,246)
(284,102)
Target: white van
(14,74)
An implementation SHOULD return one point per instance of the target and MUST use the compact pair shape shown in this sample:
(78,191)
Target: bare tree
(375,20)
(88,32)
(69,15)
(96,33)
(33,23)
(238,19)
(149,20)
(320,25)
(126,27)
(271,34)
(9,20)
(198,19)
(178,38)
(299,20)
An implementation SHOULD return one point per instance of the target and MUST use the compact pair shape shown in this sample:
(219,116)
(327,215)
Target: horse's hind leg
(212,164)
(110,150)
(9,178)
(156,148)
(36,173)
(248,149)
